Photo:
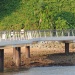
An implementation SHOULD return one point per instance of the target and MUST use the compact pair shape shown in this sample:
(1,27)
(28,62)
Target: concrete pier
(17,56)
(27,51)
(67,48)
(1,60)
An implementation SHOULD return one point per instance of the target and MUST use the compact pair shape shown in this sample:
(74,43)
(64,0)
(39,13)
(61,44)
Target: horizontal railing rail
(25,35)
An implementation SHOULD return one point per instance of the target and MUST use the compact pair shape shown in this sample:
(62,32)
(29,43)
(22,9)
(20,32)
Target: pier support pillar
(17,56)
(1,60)
(67,48)
(27,51)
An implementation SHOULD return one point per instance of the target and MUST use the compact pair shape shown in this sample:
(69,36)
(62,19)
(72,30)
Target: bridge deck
(28,37)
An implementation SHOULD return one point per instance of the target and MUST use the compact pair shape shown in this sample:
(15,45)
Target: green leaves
(37,14)
(61,24)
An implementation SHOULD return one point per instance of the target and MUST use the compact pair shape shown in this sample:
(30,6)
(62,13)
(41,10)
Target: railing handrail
(30,34)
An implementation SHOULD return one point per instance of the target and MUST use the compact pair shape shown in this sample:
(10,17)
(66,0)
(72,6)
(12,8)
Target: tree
(61,24)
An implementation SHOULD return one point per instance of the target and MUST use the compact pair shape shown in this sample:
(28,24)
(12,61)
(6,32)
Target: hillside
(37,14)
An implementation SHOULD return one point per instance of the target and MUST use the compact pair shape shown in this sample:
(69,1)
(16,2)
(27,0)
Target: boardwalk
(16,38)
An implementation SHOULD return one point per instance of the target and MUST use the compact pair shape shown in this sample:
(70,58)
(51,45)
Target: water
(54,70)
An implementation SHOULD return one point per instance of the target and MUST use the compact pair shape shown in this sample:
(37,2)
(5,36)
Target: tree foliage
(37,14)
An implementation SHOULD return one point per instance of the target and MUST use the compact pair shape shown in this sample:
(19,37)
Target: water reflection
(15,71)
(55,70)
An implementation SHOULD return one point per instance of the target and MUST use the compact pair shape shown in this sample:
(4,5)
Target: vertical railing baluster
(0,35)
(32,34)
(7,35)
(62,33)
(45,34)
(24,35)
(72,32)
(50,33)
(19,35)
(13,38)
(39,34)
(15,34)
(56,33)
(27,35)
(10,35)
(36,34)
(68,32)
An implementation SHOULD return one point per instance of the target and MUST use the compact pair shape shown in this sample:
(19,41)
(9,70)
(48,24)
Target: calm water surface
(54,70)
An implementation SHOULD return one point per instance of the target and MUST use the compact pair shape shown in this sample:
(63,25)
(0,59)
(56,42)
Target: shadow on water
(7,7)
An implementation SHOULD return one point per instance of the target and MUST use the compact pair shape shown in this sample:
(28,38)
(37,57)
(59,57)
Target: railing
(25,35)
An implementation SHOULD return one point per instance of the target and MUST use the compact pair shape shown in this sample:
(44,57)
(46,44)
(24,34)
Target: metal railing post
(62,33)
(45,34)
(50,33)
(39,34)
(68,33)
(72,33)
(56,33)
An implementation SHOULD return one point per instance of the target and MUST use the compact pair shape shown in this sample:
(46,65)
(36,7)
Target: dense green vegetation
(37,14)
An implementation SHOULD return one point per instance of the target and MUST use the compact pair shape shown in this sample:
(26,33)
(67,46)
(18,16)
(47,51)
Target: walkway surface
(28,37)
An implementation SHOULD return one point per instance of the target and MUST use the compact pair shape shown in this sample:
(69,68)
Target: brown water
(54,70)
